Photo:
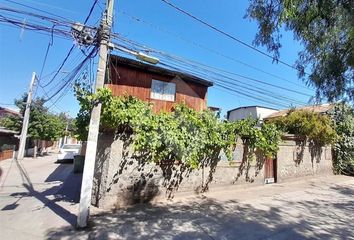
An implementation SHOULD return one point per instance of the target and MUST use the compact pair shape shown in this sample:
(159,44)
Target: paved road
(36,195)
(321,208)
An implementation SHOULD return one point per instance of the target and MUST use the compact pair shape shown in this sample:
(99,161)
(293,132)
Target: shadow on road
(208,219)
(315,215)
(68,191)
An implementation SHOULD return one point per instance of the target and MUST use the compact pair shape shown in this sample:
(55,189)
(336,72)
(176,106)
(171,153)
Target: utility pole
(23,137)
(87,179)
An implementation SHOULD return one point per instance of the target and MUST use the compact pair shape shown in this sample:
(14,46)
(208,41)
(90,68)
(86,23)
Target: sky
(160,27)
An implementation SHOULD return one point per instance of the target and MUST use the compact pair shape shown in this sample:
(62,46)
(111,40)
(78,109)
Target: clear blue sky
(22,52)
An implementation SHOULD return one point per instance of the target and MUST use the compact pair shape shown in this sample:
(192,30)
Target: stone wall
(297,158)
(122,178)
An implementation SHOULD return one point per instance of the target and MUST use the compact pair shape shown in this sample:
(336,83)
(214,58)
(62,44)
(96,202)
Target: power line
(90,12)
(34,27)
(204,71)
(37,9)
(50,43)
(8,104)
(236,83)
(228,35)
(210,49)
(236,74)
(147,49)
(246,90)
(72,47)
(61,66)
(74,73)
(37,32)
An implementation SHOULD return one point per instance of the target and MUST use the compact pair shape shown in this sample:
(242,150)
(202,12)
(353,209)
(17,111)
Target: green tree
(343,118)
(43,125)
(316,127)
(326,30)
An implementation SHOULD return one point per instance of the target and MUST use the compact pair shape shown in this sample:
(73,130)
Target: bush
(7,147)
(343,118)
(184,134)
(316,127)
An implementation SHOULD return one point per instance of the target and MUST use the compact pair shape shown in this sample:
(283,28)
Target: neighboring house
(215,110)
(4,112)
(8,139)
(256,112)
(159,86)
(322,109)
(8,142)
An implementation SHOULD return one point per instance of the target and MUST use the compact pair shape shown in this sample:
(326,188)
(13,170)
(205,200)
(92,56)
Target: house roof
(158,70)
(214,108)
(323,108)
(9,111)
(254,106)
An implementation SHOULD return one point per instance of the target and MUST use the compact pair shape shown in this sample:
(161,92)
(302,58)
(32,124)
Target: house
(122,177)
(160,86)
(256,112)
(4,112)
(8,139)
(8,143)
(215,110)
(321,109)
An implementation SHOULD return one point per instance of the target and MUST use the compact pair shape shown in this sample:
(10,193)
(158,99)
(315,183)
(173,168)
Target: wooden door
(270,171)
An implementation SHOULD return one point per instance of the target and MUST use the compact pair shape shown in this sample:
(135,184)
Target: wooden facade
(130,77)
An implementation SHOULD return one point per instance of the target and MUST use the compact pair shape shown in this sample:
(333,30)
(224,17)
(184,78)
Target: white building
(256,112)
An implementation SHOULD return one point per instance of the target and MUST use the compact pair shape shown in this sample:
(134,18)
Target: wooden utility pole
(87,179)
(23,137)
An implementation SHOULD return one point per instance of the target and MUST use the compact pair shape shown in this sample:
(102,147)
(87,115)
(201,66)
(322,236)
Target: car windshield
(71,147)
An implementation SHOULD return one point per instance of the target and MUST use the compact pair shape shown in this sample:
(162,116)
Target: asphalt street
(38,200)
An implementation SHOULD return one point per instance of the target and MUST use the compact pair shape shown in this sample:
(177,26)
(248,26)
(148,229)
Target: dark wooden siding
(137,83)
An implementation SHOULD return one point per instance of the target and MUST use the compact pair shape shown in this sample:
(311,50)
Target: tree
(343,118)
(316,127)
(43,125)
(326,30)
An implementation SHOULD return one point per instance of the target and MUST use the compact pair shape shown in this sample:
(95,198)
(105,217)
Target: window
(163,90)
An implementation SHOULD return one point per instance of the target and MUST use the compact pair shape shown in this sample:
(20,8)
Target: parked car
(68,151)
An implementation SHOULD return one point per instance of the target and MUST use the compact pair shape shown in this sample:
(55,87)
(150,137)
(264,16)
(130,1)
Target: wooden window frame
(164,95)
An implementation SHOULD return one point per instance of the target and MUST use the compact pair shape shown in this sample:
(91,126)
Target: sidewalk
(39,201)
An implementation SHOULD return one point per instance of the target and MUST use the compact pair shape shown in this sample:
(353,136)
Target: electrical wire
(188,62)
(50,43)
(28,25)
(218,78)
(227,34)
(265,97)
(74,73)
(200,70)
(236,74)
(158,28)
(61,66)
(8,104)
(90,12)
(36,9)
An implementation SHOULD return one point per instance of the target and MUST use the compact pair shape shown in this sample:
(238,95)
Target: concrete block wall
(121,178)
(297,158)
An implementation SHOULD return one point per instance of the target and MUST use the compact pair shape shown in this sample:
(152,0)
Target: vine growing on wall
(184,134)
(343,119)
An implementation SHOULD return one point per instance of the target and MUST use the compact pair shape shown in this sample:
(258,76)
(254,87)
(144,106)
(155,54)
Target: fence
(6,154)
